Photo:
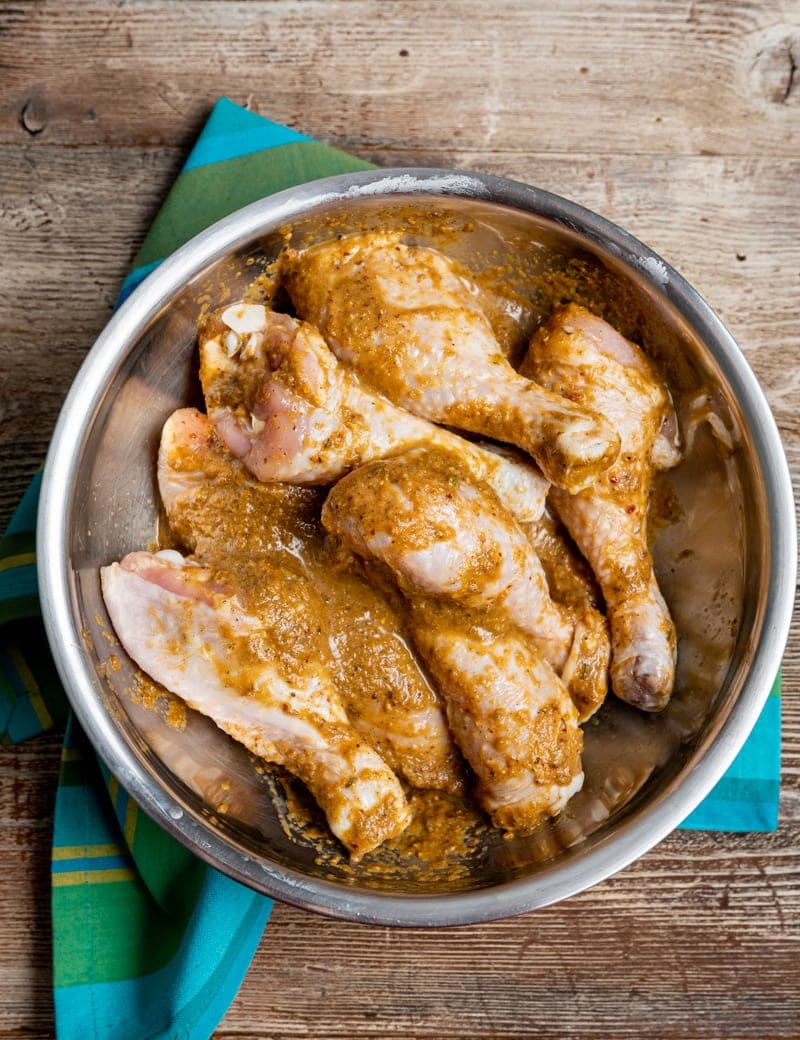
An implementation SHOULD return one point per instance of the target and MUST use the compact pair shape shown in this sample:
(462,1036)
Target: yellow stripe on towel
(93,877)
(20,560)
(31,687)
(87,851)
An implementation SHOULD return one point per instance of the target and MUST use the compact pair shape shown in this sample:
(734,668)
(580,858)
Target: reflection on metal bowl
(726,561)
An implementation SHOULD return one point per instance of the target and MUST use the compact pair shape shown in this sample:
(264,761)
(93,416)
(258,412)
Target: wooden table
(678,120)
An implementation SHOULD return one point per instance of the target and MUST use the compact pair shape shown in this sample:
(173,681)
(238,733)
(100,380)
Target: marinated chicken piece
(569,576)
(215,508)
(577,353)
(388,697)
(511,715)
(196,637)
(443,534)
(280,401)
(573,586)
(410,324)
(256,533)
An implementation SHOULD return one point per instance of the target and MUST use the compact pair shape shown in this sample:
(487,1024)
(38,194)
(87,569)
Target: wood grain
(680,121)
(642,78)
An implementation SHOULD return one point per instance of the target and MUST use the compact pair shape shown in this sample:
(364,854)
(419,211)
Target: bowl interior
(710,558)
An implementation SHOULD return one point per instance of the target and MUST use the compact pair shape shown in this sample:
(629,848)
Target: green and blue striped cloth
(149,942)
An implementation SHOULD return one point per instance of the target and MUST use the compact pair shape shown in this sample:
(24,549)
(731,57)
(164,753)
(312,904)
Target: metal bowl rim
(632,837)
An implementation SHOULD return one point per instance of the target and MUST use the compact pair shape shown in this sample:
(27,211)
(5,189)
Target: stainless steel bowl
(727,563)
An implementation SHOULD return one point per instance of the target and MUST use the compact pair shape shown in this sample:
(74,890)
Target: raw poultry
(280,401)
(263,536)
(576,353)
(200,639)
(443,630)
(411,324)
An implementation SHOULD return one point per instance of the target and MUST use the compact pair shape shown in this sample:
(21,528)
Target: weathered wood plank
(584,969)
(631,77)
(27,790)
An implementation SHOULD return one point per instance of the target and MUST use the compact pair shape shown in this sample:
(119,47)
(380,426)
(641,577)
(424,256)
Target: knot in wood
(774,72)
(33,116)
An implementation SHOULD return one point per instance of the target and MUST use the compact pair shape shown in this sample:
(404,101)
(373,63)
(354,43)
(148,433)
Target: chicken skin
(280,401)
(410,323)
(445,535)
(510,713)
(465,570)
(576,353)
(388,697)
(200,484)
(255,534)
(573,587)
(197,637)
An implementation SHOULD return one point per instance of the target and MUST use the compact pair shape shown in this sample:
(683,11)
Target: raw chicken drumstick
(577,353)
(387,696)
(198,639)
(510,713)
(445,535)
(280,401)
(410,324)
